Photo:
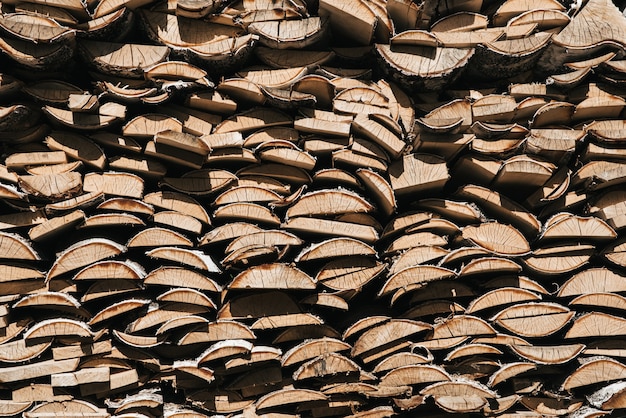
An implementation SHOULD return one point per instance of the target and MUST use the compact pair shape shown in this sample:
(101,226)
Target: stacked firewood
(363,208)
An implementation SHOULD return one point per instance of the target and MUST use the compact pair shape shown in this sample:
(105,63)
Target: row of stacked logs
(282,208)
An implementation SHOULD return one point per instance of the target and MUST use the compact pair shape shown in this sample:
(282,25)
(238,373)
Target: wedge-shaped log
(596,324)
(84,253)
(600,300)
(501,296)
(111,269)
(52,186)
(499,238)
(179,276)
(554,354)
(253,119)
(349,273)
(225,349)
(415,374)
(534,319)
(114,183)
(569,226)
(178,202)
(593,280)
(116,309)
(14,247)
(10,407)
(60,301)
(181,322)
(386,334)
(155,237)
(503,208)
(416,275)
(251,194)
(316,226)
(454,331)
(335,247)
(148,125)
(418,173)
(424,67)
(263,238)
(324,365)
(187,257)
(559,259)
(77,147)
(329,202)
(219,330)
(122,59)
(66,408)
(188,296)
(311,349)
(59,327)
(508,371)
(595,371)
(290,34)
(357,16)
(459,396)
(273,276)
(288,396)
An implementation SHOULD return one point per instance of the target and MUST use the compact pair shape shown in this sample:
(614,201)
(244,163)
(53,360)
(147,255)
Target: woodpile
(300,208)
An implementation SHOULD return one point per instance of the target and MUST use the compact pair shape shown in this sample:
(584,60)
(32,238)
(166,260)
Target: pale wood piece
(558,354)
(294,34)
(177,276)
(418,275)
(394,330)
(84,253)
(594,371)
(499,238)
(329,202)
(66,408)
(219,330)
(596,324)
(111,269)
(14,246)
(504,208)
(289,396)
(326,227)
(122,59)
(119,308)
(21,160)
(418,173)
(349,273)
(335,247)
(593,280)
(559,258)
(114,184)
(150,124)
(187,257)
(253,119)
(334,364)
(358,17)
(19,351)
(178,202)
(77,147)
(534,319)
(180,221)
(59,327)
(273,276)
